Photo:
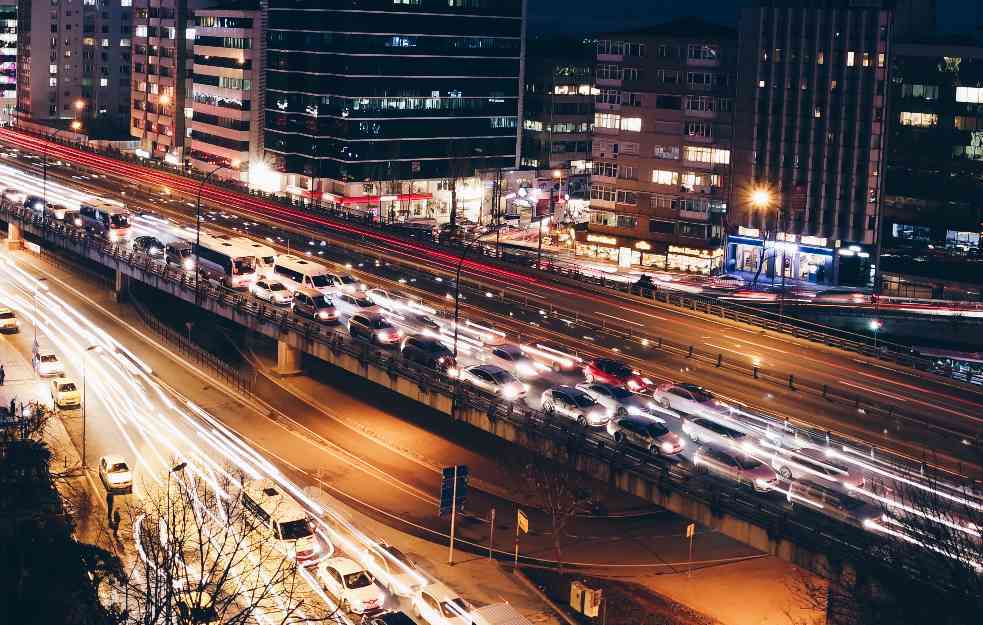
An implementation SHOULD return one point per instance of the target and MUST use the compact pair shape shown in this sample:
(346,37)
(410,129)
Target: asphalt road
(951,408)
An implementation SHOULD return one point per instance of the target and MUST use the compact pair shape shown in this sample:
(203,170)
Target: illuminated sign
(643,245)
(690,251)
(817,241)
(599,238)
(748,232)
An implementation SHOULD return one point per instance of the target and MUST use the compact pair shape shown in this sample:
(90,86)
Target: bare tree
(922,561)
(201,557)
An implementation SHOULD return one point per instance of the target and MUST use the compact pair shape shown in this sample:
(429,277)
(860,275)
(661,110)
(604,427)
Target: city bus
(225,260)
(105,218)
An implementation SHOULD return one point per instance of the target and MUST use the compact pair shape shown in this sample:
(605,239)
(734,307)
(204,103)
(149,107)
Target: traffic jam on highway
(676,421)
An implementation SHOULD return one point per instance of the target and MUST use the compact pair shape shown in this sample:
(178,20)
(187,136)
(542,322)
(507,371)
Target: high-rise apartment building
(8,61)
(391,106)
(227,119)
(163,62)
(662,146)
(812,93)
(935,164)
(75,62)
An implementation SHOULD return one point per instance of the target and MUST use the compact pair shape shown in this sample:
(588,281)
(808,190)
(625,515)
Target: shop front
(624,251)
(798,257)
(694,260)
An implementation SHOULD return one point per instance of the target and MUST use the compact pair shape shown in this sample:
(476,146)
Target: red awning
(376,199)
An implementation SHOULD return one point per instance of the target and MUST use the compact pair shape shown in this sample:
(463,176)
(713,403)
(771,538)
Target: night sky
(573,16)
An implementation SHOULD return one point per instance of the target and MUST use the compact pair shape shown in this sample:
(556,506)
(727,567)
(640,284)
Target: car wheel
(589,377)
(621,412)
(549,409)
(693,437)
(619,438)
(664,403)
(655,450)
(786,474)
(582,420)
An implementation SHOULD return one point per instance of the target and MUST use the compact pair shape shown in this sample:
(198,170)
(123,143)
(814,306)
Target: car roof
(439,591)
(568,390)
(393,618)
(113,459)
(309,292)
(343,565)
(63,380)
(511,349)
(487,368)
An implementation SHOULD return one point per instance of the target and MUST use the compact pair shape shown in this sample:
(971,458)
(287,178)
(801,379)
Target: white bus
(106,218)
(278,516)
(224,260)
(265,256)
(296,272)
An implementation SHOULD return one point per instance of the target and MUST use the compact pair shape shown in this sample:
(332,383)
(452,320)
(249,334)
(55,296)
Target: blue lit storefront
(804,261)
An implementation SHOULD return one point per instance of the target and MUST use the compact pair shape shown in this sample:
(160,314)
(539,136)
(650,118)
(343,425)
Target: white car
(701,430)
(726,282)
(354,588)
(511,358)
(619,401)
(390,300)
(686,398)
(645,433)
(65,393)
(814,465)
(47,364)
(115,474)
(8,320)
(393,569)
(736,466)
(345,282)
(436,604)
(574,403)
(272,291)
(495,380)
(351,304)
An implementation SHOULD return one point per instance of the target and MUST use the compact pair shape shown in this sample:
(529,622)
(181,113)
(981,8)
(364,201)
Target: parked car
(736,466)
(572,402)
(65,393)
(427,351)
(115,474)
(645,433)
(45,361)
(814,465)
(315,305)
(686,398)
(393,569)
(436,604)
(149,245)
(616,373)
(374,328)
(512,358)
(352,586)
(8,320)
(702,430)
(495,380)
(272,291)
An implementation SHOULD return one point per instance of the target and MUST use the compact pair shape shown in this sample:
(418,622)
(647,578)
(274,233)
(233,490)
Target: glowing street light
(79,105)
(761,198)
(76,125)
(875,325)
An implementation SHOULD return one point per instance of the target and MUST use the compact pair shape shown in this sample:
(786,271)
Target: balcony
(607,58)
(609,82)
(694,215)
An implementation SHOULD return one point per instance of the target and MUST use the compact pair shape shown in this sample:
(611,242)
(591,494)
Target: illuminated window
(662,176)
(761,84)
(880,59)
(820,58)
(103,82)
(969,94)
(52,69)
(866,59)
(921,120)
(706,155)
(850,58)
(631,124)
(607,120)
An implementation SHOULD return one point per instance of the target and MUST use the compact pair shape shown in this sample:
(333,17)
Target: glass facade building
(391,90)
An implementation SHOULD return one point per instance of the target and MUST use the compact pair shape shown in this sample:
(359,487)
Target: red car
(616,373)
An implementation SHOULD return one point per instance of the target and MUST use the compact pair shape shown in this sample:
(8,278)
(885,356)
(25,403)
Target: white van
(265,256)
(298,272)
(281,518)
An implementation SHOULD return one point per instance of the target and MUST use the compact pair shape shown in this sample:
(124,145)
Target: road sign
(449,490)
(522,521)
(690,530)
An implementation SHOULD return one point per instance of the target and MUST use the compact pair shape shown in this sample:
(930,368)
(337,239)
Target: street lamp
(201,187)
(875,325)
(85,356)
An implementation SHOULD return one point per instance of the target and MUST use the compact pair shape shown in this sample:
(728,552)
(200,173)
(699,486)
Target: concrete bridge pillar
(15,237)
(287,359)
(119,285)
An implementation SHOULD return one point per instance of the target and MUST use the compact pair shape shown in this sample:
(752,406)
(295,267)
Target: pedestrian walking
(3,374)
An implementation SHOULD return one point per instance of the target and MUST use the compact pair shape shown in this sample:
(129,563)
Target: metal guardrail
(805,528)
(900,354)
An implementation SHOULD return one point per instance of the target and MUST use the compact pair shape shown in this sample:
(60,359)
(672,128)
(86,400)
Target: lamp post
(875,326)
(85,356)
(201,187)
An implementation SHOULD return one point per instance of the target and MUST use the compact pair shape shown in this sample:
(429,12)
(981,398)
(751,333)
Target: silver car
(511,358)
(645,433)
(701,430)
(495,380)
(686,398)
(813,465)
(621,402)
(737,467)
(574,403)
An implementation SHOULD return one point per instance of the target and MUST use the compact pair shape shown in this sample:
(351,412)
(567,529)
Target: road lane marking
(727,349)
(774,349)
(634,323)
(911,399)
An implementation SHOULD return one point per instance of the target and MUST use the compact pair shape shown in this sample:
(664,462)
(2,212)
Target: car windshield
(49,358)
(119,221)
(747,463)
(244,265)
(67,387)
(454,608)
(268,261)
(364,302)
(622,371)
(347,279)
(276,286)
(698,393)
(293,530)
(502,377)
(620,393)
(322,302)
(6,315)
(358,580)
(657,430)
(379,324)
(320,281)
(119,467)
(582,400)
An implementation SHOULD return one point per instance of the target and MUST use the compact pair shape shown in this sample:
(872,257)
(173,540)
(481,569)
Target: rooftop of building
(232,5)
(680,28)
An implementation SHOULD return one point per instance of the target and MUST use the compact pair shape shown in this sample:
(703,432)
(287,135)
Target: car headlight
(526,370)
(323,314)
(647,381)
(510,391)
(188,264)
(633,385)
(761,483)
(634,410)
(667,447)
(78,222)
(441,360)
